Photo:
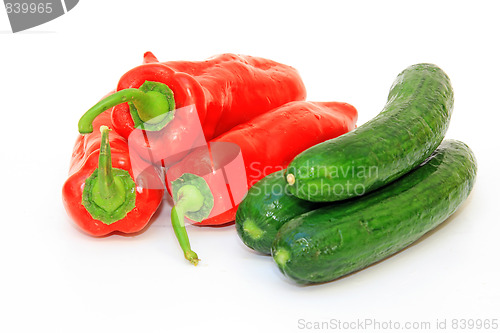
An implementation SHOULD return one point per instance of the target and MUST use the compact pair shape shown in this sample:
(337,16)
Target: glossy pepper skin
(227,89)
(84,162)
(267,143)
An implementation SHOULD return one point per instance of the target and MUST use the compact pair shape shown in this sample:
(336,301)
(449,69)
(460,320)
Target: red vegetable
(226,90)
(101,195)
(215,177)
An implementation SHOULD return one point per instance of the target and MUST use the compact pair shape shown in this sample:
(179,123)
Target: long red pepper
(204,187)
(225,90)
(100,194)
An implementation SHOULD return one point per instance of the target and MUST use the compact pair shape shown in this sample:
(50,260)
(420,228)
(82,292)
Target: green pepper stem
(104,174)
(182,236)
(190,200)
(109,193)
(150,106)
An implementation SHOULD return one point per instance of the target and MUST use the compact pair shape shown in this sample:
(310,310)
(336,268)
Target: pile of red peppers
(204,131)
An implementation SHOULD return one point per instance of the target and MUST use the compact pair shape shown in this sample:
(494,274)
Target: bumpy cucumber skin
(268,206)
(409,128)
(333,241)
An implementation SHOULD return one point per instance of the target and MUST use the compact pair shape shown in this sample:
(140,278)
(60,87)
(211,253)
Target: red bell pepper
(225,90)
(206,185)
(100,195)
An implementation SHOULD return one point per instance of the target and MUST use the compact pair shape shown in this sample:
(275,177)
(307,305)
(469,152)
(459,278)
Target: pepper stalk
(193,199)
(109,193)
(150,106)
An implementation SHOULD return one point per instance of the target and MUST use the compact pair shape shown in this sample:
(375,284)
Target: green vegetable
(330,242)
(409,128)
(267,206)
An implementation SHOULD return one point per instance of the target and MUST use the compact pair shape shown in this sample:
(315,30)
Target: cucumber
(330,242)
(409,128)
(266,207)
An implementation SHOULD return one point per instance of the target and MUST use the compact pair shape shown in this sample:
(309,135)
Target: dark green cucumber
(266,207)
(409,128)
(335,240)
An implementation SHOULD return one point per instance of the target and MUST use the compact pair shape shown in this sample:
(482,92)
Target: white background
(56,279)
